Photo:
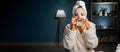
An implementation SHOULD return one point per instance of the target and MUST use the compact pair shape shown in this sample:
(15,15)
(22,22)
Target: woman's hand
(87,24)
(73,23)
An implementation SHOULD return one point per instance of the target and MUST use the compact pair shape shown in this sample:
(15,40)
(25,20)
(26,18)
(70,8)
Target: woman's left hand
(87,24)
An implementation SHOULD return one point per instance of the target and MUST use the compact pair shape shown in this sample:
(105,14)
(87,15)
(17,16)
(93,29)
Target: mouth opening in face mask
(79,23)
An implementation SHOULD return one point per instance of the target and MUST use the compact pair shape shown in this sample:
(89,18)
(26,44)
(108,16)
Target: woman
(80,34)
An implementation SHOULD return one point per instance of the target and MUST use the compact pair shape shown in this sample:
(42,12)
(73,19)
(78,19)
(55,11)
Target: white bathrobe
(75,41)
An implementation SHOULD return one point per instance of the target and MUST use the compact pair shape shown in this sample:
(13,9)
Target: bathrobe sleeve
(69,37)
(91,39)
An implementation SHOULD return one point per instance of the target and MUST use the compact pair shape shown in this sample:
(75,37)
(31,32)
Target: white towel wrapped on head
(78,4)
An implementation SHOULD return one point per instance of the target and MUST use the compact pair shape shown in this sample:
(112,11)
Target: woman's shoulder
(67,26)
(92,24)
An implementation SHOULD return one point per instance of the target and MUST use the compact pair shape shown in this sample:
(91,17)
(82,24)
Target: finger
(73,21)
(86,20)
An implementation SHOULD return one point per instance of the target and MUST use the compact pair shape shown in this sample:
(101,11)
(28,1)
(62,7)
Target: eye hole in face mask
(82,14)
(76,14)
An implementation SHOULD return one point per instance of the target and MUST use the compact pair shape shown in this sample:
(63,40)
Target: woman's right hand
(73,23)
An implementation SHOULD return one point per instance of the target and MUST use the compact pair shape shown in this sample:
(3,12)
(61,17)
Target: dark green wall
(33,20)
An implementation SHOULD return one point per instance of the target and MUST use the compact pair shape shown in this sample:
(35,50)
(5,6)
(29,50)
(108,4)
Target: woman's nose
(79,16)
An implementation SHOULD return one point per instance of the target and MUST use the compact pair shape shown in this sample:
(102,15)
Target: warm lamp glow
(60,13)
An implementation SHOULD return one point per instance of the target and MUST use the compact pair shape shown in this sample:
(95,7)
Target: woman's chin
(79,23)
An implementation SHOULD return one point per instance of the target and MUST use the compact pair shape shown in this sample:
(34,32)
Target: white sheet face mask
(80,13)
(79,23)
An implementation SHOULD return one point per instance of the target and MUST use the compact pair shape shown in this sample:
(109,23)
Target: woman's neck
(81,28)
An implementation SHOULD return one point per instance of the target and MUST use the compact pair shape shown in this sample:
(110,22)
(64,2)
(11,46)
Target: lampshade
(60,13)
